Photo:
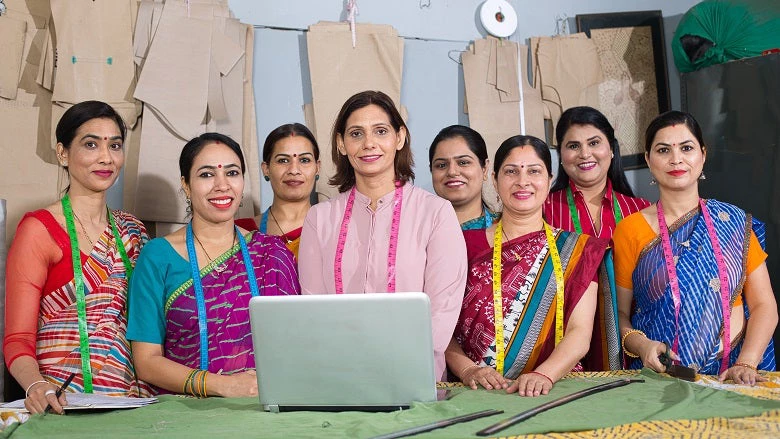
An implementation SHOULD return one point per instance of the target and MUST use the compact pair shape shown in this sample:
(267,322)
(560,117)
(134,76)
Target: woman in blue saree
(693,268)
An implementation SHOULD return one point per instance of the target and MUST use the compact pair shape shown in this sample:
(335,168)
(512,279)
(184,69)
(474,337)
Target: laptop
(365,352)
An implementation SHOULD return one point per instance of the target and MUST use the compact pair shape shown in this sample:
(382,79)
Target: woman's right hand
(42,394)
(236,385)
(486,377)
(649,351)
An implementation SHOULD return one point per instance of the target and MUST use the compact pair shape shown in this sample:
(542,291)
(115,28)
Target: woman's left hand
(530,384)
(742,375)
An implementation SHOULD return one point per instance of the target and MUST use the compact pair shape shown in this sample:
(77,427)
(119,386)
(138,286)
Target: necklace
(83,229)
(283,235)
(221,267)
(197,285)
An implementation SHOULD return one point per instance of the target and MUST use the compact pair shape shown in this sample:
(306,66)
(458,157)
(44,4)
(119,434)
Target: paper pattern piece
(338,71)
(492,92)
(192,80)
(91,401)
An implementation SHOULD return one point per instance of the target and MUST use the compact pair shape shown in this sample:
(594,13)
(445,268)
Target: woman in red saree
(68,270)
(546,287)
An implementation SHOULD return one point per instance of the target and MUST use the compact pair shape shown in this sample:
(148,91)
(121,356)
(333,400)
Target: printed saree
(528,293)
(701,314)
(105,288)
(226,294)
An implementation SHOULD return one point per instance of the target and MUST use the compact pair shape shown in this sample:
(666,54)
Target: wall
(433,30)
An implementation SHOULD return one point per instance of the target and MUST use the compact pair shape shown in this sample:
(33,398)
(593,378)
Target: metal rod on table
(439,424)
(495,428)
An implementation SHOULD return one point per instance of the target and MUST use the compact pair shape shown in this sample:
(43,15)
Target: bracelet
(548,378)
(623,342)
(27,392)
(188,382)
(749,366)
(465,369)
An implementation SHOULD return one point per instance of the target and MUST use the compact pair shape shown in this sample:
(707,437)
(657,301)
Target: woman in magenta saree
(189,311)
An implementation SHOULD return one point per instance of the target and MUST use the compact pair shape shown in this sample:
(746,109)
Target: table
(661,407)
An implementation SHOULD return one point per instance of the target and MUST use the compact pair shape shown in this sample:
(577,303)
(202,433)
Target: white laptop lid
(343,352)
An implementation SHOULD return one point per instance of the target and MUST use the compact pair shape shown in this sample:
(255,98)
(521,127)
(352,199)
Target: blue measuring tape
(198,285)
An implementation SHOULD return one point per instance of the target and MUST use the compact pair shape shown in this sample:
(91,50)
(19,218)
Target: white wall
(432,83)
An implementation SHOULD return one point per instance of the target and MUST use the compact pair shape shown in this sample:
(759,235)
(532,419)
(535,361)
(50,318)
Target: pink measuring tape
(722,277)
(391,251)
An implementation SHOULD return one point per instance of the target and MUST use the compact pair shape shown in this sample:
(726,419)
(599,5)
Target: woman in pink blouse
(381,233)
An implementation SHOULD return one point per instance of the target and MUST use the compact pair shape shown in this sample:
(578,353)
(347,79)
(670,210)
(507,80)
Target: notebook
(367,352)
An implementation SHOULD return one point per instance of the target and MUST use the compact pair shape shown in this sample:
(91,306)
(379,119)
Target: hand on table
(486,377)
(531,384)
(237,385)
(742,374)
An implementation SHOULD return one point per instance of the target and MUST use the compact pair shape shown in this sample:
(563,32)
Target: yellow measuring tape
(498,306)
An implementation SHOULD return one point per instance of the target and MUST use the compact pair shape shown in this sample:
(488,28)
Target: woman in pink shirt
(381,233)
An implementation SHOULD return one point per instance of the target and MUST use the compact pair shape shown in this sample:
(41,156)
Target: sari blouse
(528,290)
(640,265)
(41,313)
(163,308)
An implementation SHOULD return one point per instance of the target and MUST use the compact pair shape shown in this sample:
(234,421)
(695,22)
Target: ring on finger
(49,392)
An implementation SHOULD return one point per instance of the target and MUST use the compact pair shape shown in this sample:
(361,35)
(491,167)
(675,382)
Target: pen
(60,390)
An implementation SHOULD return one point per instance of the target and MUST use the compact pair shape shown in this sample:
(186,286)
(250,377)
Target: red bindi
(105,138)
(219,166)
(295,155)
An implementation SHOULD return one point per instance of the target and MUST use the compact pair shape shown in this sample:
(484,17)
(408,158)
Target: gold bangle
(749,366)
(623,342)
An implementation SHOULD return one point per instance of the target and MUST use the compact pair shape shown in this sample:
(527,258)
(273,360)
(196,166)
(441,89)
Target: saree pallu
(605,352)
(105,291)
(528,289)
(701,315)
(226,294)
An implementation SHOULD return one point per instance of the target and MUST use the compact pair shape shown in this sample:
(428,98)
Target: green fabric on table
(659,398)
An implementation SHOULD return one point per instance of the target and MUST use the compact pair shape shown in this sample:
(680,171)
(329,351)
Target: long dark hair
(404,160)
(593,117)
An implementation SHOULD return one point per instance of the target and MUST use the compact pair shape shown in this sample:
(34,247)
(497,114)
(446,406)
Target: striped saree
(701,316)
(226,295)
(528,296)
(105,288)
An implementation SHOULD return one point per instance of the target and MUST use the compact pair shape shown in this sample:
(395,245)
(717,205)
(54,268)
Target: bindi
(295,155)
(219,166)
